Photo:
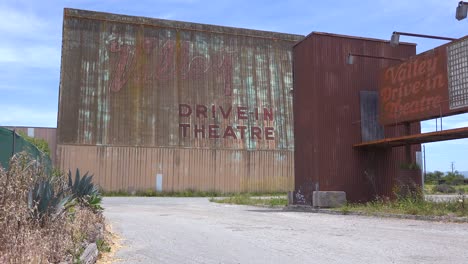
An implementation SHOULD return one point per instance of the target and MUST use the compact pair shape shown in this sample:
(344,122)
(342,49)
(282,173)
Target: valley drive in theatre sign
(166,105)
(432,84)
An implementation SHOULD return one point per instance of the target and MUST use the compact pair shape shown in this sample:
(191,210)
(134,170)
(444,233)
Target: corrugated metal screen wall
(207,107)
(327,117)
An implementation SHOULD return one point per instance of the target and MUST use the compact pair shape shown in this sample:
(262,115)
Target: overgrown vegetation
(445,189)
(103,245)
(411,203)
(450,178)
(451,182)
(41,219)
(246,199)
(40,143)
(408,206)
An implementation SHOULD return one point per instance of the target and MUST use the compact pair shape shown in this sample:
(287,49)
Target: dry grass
(48,239)
(115,242)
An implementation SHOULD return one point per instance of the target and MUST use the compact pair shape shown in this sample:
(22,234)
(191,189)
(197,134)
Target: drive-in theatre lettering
(205,127)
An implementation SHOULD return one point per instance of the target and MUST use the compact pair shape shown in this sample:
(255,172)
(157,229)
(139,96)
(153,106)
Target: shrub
(34,227)
(40,143)
(410,191)
(444,188)
(454,178)
(24,238)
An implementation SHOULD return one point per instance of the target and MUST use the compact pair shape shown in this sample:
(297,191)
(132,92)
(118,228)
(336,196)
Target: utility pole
(424,167)
(452,167)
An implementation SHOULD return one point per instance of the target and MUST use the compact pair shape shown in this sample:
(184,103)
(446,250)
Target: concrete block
(290,197)
(327,199)
(90,254)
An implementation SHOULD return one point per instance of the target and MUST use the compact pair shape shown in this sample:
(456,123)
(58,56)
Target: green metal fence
(12,143)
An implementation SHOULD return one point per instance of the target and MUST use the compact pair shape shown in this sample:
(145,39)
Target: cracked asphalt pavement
(193,230)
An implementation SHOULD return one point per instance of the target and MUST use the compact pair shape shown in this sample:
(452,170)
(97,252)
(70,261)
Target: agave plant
(94,202)
(83,190)
(43,201)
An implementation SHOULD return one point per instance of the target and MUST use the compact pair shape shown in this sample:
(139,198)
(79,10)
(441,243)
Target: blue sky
(31,44)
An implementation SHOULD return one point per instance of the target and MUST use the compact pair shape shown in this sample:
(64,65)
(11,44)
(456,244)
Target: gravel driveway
(193,230)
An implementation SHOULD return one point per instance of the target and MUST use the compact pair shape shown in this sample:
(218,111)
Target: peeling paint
(139,72)
(123,78)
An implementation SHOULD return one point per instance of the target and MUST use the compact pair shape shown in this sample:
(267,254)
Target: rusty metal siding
(49,134)
(327,116)
(134,92)
(124,79)
(135,168)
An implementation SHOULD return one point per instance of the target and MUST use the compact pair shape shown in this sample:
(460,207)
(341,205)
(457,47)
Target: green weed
(186,193)
(102,245)
(247,199)
(410,207)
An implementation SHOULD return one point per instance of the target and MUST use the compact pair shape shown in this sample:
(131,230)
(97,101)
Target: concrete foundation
(328,199)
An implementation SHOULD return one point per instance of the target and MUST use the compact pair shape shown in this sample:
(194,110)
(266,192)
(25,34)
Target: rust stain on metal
(160,86)
(136,168)
(176,25)
(436,136)
(141,82)
(327,117)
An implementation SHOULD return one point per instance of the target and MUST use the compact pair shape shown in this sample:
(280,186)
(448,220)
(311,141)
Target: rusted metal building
(335,107)
(47,133)
(149,103)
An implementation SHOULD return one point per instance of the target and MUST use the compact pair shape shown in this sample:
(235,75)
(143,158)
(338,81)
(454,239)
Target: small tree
(433,177)
(454,178)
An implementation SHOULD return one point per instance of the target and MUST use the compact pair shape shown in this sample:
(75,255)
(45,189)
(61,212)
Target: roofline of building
(178,25)
(350,37)
(28,127)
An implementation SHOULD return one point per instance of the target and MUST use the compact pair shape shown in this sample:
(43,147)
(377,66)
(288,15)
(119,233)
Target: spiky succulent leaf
(82,188)
(45,195)
(42,199)
(94,201)
(77,180)
(70,181)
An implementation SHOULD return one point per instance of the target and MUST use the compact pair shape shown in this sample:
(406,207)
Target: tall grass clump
(247,199)
(409,200)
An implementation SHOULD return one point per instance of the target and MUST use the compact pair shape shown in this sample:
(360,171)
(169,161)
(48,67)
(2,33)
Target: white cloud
(39,56)
(31,33)
(23,116)
(15,22)
(7,55)
(448,122)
